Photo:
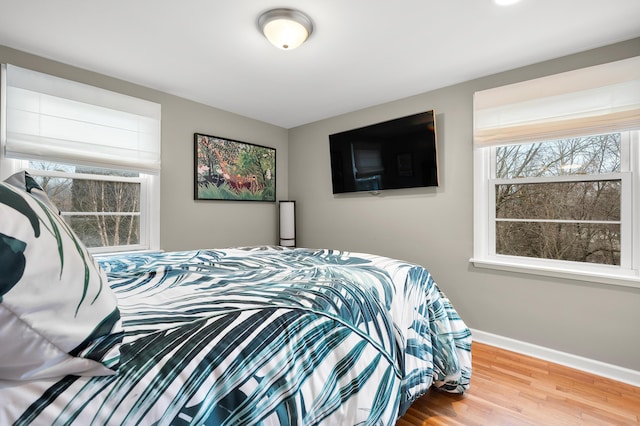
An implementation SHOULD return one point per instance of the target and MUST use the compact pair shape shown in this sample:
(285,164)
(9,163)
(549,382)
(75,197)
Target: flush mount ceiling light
(505,2)
(285,28)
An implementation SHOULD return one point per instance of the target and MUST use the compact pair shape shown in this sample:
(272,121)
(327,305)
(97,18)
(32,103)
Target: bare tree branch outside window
(103,213)
(575,220)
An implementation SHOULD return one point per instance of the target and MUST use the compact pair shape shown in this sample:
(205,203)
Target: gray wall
(185,223)
(434,227)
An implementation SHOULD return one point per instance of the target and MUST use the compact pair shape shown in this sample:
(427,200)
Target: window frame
(149,202)
(484,256)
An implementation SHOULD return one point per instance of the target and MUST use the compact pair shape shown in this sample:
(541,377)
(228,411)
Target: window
(106,208)
(561,199)
(557,173)
(96,153)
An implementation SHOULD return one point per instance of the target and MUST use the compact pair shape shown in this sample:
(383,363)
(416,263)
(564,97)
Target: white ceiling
(361,53)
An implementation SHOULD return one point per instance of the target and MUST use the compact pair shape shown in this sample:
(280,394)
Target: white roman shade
(64,121)
(592,100)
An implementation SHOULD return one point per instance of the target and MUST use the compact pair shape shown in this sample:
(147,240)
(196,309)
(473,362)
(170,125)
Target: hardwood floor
(513,389)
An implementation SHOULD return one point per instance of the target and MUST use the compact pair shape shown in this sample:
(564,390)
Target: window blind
(54,119)
(592,100)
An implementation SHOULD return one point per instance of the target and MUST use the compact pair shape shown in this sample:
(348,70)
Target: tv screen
(399,153)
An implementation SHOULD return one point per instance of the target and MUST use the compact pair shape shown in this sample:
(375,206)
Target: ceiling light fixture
(505,2)
(285,28)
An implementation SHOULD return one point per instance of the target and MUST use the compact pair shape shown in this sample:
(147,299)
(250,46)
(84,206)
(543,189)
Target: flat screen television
(394,154)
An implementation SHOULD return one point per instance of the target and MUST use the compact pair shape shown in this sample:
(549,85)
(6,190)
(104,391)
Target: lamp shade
(285,28)
(287,223)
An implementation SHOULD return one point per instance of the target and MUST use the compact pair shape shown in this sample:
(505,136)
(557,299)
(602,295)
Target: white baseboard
(599,368)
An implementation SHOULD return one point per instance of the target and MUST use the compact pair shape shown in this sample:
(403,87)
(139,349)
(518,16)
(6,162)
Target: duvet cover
(261,335)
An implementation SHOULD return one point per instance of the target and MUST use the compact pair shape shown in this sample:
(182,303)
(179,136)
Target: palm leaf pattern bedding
(262,335)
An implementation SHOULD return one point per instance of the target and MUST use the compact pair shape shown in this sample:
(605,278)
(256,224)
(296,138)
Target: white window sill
(615,277)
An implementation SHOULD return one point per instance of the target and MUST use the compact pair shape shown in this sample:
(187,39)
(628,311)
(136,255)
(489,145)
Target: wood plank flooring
(513,389)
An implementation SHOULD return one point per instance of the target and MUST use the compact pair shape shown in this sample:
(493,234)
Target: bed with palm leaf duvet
(240,336)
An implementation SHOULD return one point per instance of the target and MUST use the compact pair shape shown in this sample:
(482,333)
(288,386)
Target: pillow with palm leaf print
(25,182)
(58,315)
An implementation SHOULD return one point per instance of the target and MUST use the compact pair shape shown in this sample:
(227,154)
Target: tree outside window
(103,212)
(560,199)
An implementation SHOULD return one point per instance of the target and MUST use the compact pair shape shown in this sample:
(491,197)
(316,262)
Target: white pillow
(25,182)
(58,315)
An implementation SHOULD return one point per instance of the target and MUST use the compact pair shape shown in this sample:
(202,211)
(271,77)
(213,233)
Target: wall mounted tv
(394,154)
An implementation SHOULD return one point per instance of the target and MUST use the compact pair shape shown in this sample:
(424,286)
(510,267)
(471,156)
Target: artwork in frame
(226,169)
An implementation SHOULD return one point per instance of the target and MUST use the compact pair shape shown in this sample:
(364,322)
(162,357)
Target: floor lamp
(288,223)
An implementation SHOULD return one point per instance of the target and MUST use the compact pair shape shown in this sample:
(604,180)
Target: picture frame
(227,169)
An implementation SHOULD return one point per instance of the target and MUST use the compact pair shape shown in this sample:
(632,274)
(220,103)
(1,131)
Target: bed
(253,335)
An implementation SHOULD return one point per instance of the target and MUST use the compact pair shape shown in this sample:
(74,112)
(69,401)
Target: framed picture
(226,169)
